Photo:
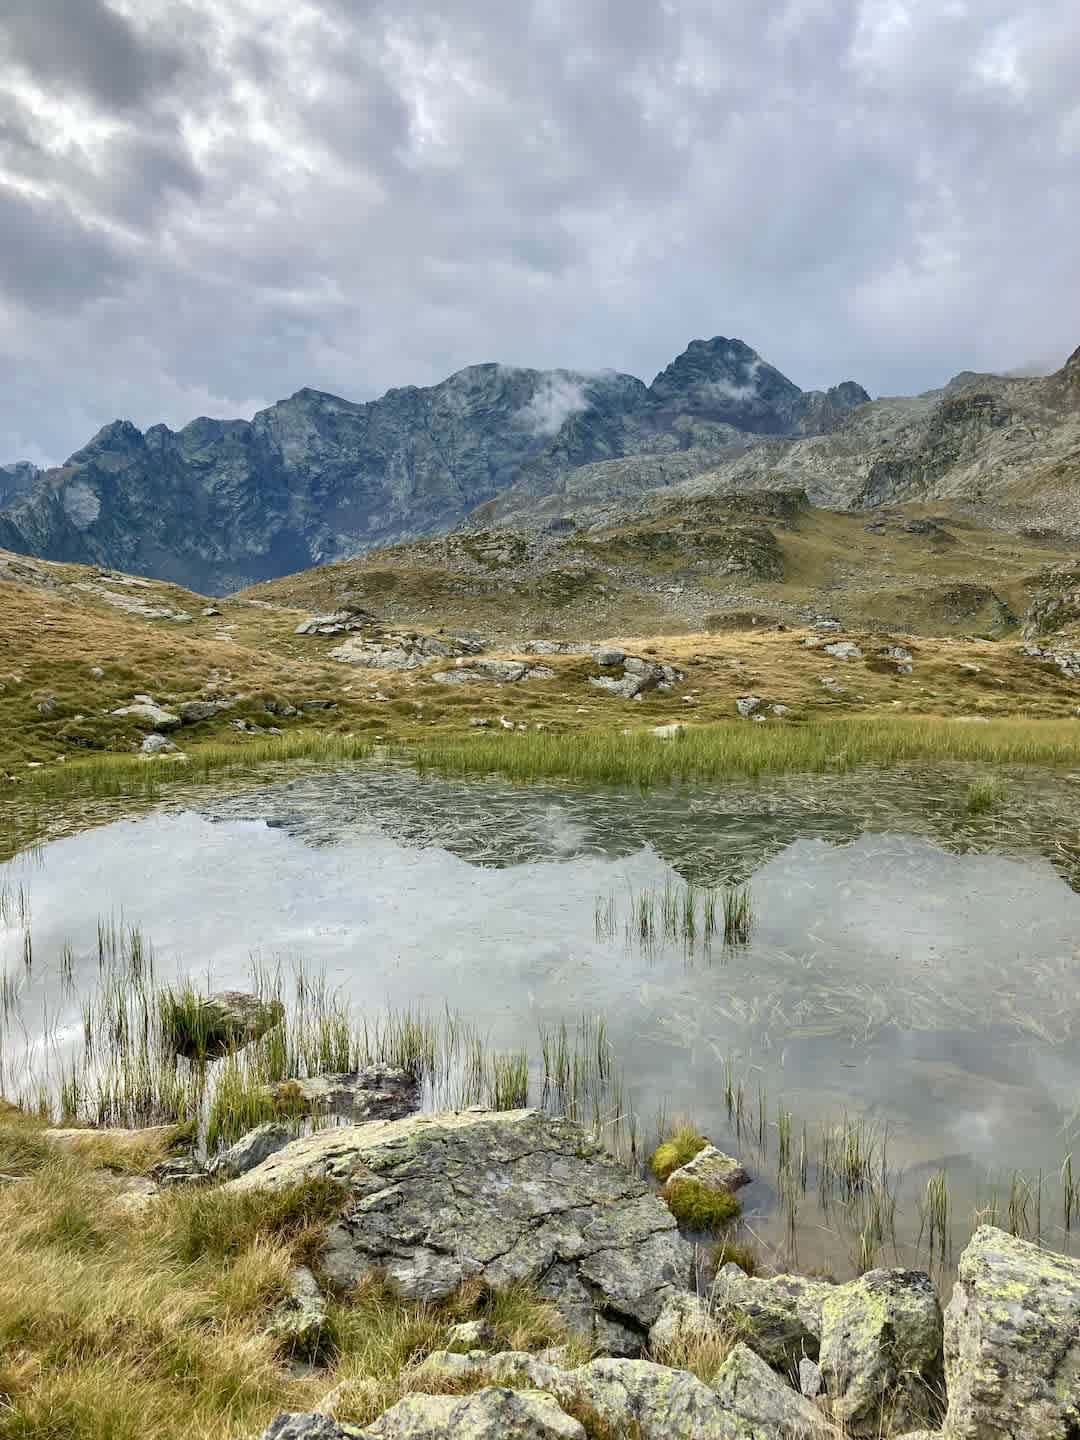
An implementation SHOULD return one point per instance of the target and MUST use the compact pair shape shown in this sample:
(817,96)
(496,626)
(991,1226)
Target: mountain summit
(224,503)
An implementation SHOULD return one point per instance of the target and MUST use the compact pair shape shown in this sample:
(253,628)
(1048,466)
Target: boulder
(669,732)
(252,1149)
(192,712)
(490,1414)
(844,650)
(153,717)
(713,1169)
(746,705)
(508,1197)
(639,676)
(756,1394)
(297,1323)
(487,672)
(636,1397)
(158,745)
(309,1427)
(779,1318)
(660,1402)
(1012,1342)
(376,1092)
(880,1356)
(227,1020)
(470,1334)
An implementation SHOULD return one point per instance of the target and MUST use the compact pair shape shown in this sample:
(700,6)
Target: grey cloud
(354,194)
(88,45)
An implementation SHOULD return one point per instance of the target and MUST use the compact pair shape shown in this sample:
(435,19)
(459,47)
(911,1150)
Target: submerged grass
(737,749)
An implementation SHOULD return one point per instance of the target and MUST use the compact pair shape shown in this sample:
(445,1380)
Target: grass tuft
(698,1206)
(678,1149)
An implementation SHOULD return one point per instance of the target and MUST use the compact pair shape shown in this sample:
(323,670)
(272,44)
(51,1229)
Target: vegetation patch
(698,1206)
(677,1150)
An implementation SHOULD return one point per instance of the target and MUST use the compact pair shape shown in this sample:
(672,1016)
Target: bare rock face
(1012,1342)
(509,1196)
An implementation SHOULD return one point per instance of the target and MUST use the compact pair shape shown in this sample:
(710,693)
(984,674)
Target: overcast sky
(207,204)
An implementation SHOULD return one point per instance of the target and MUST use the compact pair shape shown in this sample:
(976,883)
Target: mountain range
(222,504)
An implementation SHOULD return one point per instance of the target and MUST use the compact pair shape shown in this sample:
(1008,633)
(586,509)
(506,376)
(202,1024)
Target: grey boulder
(509,1197)
(1012,1342)
(153,717)
(489,1414)
(749,1389)
(253,1148)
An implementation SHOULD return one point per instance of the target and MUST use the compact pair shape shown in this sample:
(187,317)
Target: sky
(207,204)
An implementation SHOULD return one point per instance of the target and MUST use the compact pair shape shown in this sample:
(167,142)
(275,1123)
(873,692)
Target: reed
(984,793)
(738,915)
(735,749)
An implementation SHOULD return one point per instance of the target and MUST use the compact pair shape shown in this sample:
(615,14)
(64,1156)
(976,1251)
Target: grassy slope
(55,713)
(118,1324)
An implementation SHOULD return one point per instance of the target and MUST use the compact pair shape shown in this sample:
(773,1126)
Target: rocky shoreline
(497,1199)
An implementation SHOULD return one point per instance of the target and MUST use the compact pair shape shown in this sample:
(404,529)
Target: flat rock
(152,716)
(192,712)
(514,1196)
(1012,1342)
(713,1169)
(376,1092)
(844,650)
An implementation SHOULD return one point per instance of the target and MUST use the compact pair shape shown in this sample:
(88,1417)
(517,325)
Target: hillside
(220,504)
(740,595)
(1005,450)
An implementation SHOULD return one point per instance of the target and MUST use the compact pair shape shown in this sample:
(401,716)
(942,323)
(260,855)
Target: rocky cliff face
(15,480)
(221,504)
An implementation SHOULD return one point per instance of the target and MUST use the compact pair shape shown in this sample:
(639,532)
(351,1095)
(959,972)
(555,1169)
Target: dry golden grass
(118,1324)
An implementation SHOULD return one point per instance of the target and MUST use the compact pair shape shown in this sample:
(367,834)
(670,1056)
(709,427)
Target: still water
(909,964)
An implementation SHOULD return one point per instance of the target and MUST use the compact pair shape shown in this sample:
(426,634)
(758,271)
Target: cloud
(207,204)
(557,398)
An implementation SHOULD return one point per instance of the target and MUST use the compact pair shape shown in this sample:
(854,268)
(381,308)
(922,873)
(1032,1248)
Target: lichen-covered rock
(470,1334)
(253,1148)
(684,1318)
(508,1197)
(1012,1342)
(713,1169)
(300,1426)
(779,1318)
(660,1402)
(490,1414)
(638,1397)
(755,1393)
(299,1320)
(881,1353)
(375,1092)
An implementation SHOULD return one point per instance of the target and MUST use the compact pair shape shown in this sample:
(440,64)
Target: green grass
(739,749)
(984,794)
(698,1206)
(677,1150)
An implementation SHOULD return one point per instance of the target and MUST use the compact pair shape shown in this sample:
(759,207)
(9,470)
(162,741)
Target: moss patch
(699,1207)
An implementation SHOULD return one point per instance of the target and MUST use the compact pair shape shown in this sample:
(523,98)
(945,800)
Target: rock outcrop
(506,1197)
